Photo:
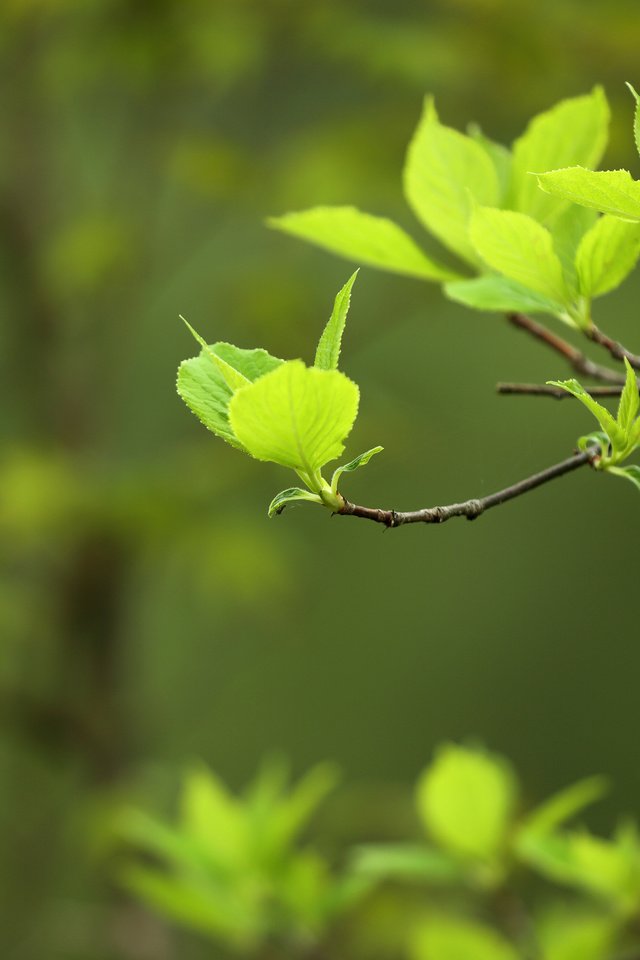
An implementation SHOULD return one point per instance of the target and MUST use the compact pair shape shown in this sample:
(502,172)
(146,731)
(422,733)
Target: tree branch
(617,351)
(546,390)
(576,359)
(472,508)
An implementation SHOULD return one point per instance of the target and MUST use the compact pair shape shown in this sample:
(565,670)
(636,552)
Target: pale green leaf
(285,497)
(606,420)
(636,118)
(606,255)
(499,294)
(206,393)
(296,416)
(354,464)
(499,154)
(466,799)
(441,938)
(328,350)
(564,805)
(574,131)
(213,817)
(367,239)
(406,862)
(595,439)
(445,173)
(568,229)
(610,191)
(629,400)
(520,248)
(631,473)
(251,364)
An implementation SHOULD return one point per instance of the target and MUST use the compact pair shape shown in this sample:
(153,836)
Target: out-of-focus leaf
(407,862)
(458,939)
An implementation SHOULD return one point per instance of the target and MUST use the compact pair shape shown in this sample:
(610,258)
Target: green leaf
(465,799)
(406,862)
(610,191)
(574,131)
(445,173)
(520,248)
(602,415)
(569,227)
(499,294)
(296,416)
(629,400)
(632,473)
(285,497)
(636,118)
(563,805)
(360,461)
(457,939)
(606,255)
(499,154)
(213,818)
(358,236)
(581,937)
(595,439)
(204,382)
(328,351)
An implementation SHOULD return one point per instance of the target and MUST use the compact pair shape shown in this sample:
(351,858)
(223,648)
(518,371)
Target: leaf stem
(472,508)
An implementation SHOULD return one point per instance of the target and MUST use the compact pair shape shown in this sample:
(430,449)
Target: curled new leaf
(285,497)
(360,461)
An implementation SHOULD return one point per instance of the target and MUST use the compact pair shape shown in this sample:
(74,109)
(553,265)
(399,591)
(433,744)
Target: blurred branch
(546,390)
(472,508)
(617,351)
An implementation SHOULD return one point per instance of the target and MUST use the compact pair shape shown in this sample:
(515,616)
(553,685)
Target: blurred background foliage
(150,613)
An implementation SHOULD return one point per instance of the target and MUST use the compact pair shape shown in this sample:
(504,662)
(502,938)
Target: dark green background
(150,613)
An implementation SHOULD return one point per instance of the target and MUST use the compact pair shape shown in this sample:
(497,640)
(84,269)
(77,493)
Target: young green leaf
(574,131)
(442,938)
(407,862)
(466,799)
(328,350)
(499,294)
(285,497)
(445,173)
(358,236)
(564,805)
(595,439)
(610,191)
(360,461)
(606,255)
(207,394)
(296,416)
(499,154)
(629,400)
(569,227)
(520,248)
(636,118)
(632,473)
(607,421)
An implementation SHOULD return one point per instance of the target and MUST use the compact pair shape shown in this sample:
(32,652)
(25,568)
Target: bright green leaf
(606,255)
(629,400)
(564,805)
(610,191)
(631,472)
(328,351)
(569,227)
(406,862)
(360,461)
(574,131)
(520,248)
(636,118)
(606,420)
(358,236)
(296,416)
(213,817)
(465,799)
(457,939)
(285,497)
(445,173)
(206,393)
(581,937)
(499,154)
(499,294)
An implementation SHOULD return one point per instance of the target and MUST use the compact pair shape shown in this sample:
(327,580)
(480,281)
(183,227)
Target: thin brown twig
(471,508)
(617,351)
(574,357)
(557,393)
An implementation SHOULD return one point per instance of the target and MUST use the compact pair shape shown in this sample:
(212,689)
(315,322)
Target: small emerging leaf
(375,241)
(610,191)
(360,461)
(328,351)
(285,497)
(632,473)
(606,420)
(629,400)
